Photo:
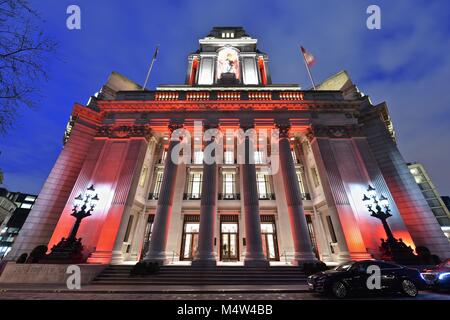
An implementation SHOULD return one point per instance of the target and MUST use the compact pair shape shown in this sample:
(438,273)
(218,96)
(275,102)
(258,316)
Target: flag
(156,52)
(309,58)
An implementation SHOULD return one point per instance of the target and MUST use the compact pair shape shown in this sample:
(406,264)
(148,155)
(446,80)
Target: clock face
(228,62)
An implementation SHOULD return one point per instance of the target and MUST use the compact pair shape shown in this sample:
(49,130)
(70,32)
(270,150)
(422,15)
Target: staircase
(187,275)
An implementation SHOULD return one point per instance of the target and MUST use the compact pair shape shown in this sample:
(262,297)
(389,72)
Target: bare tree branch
(24,51)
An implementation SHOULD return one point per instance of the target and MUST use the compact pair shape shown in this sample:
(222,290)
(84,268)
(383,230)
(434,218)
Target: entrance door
(190,240)
(229,241)
(312,236)
(269,241)
(147,235)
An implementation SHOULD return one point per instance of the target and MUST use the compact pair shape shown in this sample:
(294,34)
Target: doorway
(229,238)
(189,243)
(269,238)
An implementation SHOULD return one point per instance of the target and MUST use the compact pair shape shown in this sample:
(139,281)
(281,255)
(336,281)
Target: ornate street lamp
(83,206)
(70,250)
(379,208)
(392,249)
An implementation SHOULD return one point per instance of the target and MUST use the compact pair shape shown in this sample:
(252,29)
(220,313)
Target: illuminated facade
(332,144)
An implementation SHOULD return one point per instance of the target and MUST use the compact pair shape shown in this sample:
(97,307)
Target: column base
(358,256)
(117,257)
(103,257)
(203,263)
(344,257)
(256,263)
(159,257)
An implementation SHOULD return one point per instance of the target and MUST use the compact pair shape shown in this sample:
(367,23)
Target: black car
(439,276)
(359,276)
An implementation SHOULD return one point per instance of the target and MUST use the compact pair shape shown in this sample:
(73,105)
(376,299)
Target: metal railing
(153,196)
(284,254)
(266,196)
(192,196)
(229,196)
(174,254)
(306,196)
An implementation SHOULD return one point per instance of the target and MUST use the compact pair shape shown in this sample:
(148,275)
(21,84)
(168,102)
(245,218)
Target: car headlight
(444,275)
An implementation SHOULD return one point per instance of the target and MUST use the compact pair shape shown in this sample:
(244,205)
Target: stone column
(302,243)
(208,210)
(254,255)
(157,248)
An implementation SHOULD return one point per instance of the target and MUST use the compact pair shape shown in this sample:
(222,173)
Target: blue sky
(406,63)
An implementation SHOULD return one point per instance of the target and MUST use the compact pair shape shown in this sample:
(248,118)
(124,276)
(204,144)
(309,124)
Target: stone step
(180,277)
(208,272)
(206,282)
(187,275)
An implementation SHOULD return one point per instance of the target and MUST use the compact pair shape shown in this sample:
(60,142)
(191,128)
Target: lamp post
(70,250)
(379,208)
(83,206)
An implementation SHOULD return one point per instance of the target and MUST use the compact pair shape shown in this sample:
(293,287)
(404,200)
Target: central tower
(228,57)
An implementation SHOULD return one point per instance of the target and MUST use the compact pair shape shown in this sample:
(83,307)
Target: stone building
(331,144)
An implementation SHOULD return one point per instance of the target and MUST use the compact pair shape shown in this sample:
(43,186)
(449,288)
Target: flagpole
(150,69)
(307,68)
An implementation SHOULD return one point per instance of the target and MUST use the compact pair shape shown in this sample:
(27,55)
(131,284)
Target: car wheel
(409,288)
(339,290)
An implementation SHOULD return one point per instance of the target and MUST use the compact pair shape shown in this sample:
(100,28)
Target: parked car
(353,277)
(438,277)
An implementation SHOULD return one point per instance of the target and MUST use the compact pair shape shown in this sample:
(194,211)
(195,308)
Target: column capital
(124,131)
(284,129)
(345,131)
(247,124)
(211,125)
(175,126)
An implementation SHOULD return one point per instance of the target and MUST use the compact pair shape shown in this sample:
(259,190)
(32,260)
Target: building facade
(18,205)
(325,147)
(431,194)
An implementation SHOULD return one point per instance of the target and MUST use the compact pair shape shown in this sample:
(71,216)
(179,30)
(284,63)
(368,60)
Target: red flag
(309,58)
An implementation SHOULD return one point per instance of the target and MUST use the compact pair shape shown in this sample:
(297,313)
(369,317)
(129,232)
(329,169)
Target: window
(315,177)
(425,186)
(331,230)
(195,185)
(158,182)
(163,156)
(433,203)
(444,221)
(142,177)
(300,182)
(259,157)
(26,206)
(294,156)
(30,198)
(229,157)
(439,212)
(128,230)
(228,183)
(198,157)
(262,183)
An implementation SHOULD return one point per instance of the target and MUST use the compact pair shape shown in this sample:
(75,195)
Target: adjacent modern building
(17,205)
(325,147)
(431,194)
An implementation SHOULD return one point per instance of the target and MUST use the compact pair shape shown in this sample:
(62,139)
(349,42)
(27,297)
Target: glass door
(147,235)
(190,240)
(229,241)
(312,236)
(269,241)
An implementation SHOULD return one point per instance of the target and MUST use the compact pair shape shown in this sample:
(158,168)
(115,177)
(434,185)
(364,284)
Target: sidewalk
(130,289)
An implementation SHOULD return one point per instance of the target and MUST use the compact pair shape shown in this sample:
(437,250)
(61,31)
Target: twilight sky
(406,63)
